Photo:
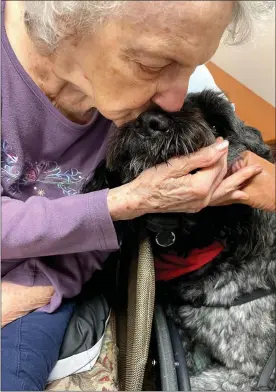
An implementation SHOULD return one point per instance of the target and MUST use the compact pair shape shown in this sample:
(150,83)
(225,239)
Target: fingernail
(219,139)
(255,168)
(245,197)
(239,196)
(258,167)
(222,146)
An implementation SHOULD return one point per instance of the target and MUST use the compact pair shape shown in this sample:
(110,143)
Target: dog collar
(169,266)
(163,227)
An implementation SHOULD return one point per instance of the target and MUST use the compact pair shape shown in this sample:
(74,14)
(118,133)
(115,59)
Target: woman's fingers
(228,189)
(205,181)
(237,196)
(204,158)
(193,192)
(172,187)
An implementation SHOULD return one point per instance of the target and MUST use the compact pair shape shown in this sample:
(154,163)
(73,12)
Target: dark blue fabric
(30,348)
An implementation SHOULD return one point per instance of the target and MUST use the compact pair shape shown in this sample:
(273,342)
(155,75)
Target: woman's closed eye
(151,70)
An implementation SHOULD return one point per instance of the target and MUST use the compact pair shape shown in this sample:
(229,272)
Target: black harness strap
(256,294)
(266,374)
(243,299)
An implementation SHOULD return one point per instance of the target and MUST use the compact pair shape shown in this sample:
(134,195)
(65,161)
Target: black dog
(225,310)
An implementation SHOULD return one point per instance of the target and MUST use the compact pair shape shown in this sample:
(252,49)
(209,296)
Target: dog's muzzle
(151,123)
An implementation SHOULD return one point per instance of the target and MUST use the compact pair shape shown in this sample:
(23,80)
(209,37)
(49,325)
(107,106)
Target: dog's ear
(217,111)
(101,178)
(96,180)
(252,139)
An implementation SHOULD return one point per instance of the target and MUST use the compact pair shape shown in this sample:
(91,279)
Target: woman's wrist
(124,203)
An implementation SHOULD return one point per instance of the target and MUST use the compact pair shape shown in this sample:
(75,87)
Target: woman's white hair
(49,22)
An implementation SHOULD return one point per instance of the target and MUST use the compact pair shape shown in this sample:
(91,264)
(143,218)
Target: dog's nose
(153,122)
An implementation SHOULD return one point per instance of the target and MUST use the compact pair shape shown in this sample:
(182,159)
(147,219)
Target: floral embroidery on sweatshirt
(31,173)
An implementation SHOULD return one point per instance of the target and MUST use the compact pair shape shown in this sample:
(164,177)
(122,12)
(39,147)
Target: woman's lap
(30,348)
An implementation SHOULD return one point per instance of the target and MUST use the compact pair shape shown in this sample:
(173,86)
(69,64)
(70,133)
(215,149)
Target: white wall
(253,63)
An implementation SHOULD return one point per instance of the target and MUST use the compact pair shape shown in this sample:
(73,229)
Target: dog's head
(156,136)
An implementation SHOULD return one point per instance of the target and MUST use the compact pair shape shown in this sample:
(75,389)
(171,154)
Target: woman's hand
(171,187)
(258,192)
(17,301)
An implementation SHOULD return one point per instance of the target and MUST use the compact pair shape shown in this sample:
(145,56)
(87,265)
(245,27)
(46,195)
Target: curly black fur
(227,346)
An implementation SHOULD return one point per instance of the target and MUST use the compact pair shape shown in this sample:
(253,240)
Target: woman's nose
(172,89)
(172,99)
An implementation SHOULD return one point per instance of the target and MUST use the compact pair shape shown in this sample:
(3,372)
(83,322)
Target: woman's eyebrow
(139,51)
(162,49)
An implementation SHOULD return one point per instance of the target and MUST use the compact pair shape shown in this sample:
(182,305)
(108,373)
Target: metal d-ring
(165,238)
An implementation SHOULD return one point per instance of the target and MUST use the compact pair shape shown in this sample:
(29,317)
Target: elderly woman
(69,70)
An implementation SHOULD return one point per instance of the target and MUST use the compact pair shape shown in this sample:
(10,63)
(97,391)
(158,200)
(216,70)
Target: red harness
(171,266)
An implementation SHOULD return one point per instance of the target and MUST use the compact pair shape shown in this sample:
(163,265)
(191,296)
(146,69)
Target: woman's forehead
(182,31)
(177,12)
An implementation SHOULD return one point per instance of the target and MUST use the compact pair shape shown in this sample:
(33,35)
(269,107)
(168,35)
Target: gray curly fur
(227,346)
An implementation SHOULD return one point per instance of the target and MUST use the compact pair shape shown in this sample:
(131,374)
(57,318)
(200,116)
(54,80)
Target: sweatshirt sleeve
(42,227)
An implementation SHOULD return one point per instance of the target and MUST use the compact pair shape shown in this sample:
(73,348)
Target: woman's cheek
(143,95)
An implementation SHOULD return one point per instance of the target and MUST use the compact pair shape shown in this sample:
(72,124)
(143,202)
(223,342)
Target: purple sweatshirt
(50,233)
